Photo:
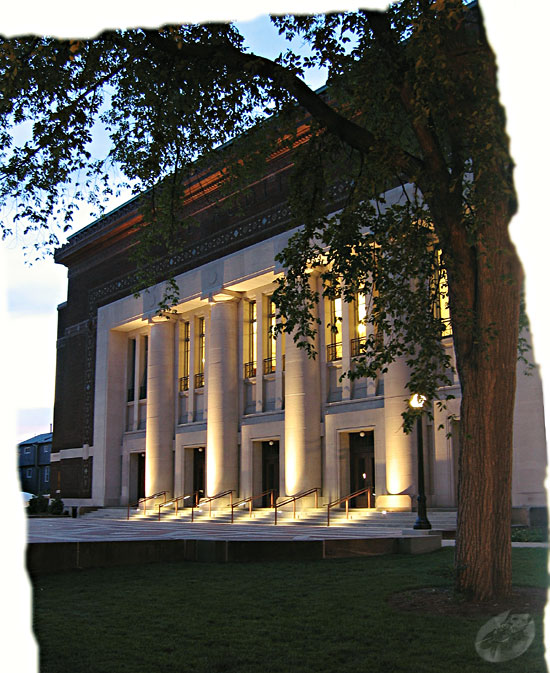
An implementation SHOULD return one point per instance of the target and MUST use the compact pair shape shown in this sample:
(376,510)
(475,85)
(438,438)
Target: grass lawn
(301,617)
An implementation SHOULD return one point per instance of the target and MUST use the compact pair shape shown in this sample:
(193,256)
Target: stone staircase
(440,519)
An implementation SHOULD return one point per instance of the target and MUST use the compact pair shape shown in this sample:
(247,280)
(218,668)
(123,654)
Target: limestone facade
(207,399)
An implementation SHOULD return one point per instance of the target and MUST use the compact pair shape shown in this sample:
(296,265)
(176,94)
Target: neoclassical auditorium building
(208,399)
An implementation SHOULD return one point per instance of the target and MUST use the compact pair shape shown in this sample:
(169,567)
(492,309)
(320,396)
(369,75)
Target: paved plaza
(99,529)
(85,529)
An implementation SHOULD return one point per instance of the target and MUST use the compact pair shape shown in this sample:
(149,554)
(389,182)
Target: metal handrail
(269,366)
(209,501)
(295,497)
(249,370)
(180,497)
(144,501)
(249,501)
(334,351)
(356,346)
(347,498)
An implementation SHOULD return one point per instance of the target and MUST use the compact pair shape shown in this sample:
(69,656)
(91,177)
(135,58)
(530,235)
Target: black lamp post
(421,523)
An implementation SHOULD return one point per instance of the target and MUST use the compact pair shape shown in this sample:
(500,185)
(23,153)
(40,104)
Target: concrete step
(443,520)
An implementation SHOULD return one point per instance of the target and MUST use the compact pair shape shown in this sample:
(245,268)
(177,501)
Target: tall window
(441,307)
(250,366)
(334,347)
(185,356)
(143,383)
(271,338)
(360,337)
(132,347)
(201,352)
(46,473)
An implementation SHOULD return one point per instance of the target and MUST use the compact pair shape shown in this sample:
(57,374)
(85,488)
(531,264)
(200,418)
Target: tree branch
(357,137)
(380,25)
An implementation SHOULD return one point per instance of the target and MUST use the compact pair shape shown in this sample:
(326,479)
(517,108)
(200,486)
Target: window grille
(358,346)
(334,351)
(269,365)
(249,370)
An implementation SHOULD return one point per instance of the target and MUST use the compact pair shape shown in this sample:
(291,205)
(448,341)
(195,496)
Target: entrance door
(361,465)
(141,476)
(199,471)
(270,470)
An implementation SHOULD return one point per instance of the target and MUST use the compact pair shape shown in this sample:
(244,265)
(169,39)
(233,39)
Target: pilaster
(159,461)
(222,388)
(303,453)
(400,448)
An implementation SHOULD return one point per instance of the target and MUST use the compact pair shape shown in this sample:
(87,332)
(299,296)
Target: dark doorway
(361,466)
(141,476)
(199,471)
(270,470)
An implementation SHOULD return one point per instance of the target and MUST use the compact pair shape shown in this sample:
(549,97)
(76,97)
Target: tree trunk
(486,349)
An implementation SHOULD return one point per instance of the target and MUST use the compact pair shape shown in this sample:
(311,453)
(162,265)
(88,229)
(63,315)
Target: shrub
(56,506)
(37,505)
(521,534)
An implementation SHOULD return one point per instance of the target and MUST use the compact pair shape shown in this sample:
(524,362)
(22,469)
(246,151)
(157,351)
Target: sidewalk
(543,545)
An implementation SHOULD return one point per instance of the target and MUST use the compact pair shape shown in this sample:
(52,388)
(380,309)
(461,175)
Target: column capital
(228,296)
(155,319)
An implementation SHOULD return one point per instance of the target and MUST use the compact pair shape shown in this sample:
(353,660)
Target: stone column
(302,421)
(159,434)
(400,448)
(222,458)
(109,410)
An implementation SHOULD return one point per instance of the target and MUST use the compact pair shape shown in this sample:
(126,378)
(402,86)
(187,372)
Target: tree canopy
(411,104)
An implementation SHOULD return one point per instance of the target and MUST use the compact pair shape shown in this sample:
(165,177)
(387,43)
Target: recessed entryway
(199,471)
(361,466)
(270,470)
(137,476)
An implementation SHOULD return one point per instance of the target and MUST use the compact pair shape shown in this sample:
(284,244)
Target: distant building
(34,463)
